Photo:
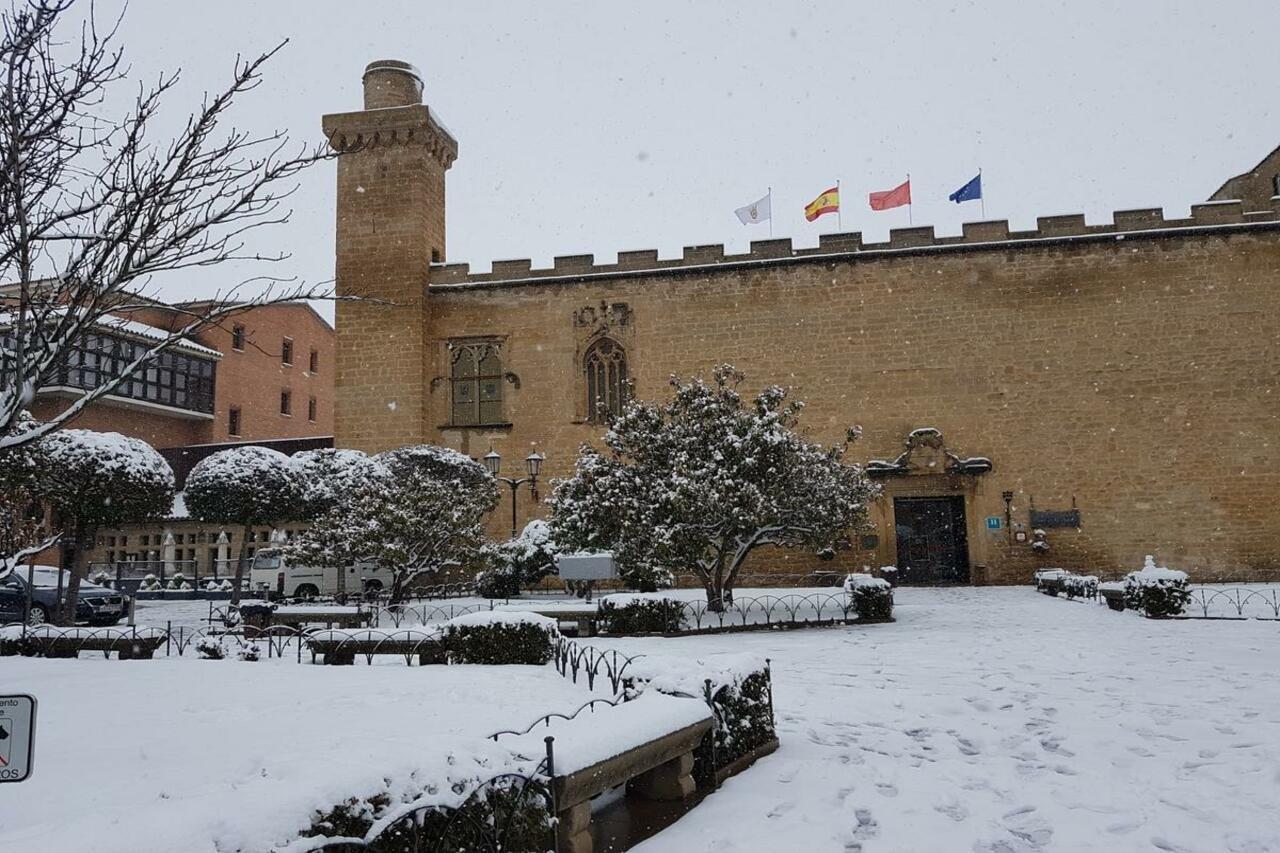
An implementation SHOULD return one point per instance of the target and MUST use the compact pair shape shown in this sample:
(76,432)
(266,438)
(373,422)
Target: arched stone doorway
(928,510)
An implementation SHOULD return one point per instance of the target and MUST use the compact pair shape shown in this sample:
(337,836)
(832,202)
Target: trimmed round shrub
(647,613)
(497,637)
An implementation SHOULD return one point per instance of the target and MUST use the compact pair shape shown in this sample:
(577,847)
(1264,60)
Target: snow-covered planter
(871,598)
(1049,581)
(101,578)
(150,583)
(640,613)
(1156,591)
(500,637)
(740,692)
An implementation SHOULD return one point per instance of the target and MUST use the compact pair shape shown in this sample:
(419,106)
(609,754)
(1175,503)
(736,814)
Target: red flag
(896,197)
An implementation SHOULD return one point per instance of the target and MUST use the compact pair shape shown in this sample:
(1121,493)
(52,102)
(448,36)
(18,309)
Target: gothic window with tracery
(476,378)
(605,365)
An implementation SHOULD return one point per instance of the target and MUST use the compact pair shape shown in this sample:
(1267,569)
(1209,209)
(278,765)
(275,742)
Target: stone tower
(390,228)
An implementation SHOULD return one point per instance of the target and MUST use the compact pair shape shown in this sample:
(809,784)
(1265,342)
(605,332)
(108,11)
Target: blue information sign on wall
(994,522)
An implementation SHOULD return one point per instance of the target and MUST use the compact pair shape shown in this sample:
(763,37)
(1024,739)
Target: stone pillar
(390,229)
(169,554)
(670,781)
(573,834)
(224,553)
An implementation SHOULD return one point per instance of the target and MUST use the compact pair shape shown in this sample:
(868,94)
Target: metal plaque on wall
(1055,518)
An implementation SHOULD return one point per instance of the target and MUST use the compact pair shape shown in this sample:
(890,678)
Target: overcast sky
(587,128)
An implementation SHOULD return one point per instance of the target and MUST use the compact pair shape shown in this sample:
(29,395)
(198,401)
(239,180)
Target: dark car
(97,605)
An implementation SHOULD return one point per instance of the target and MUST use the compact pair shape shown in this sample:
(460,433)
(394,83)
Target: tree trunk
(235,584)
(397,588)
(70,563)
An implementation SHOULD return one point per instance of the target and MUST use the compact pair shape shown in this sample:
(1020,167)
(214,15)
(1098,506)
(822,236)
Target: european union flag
(971,191)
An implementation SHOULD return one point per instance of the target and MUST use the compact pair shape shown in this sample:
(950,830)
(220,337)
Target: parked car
(96,605)
(272,571)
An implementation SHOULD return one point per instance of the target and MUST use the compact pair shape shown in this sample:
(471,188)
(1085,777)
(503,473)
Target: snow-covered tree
(98,479)
(96,204)
(22,529)
(326,475)
(417,510)
(702,481)
(246,486)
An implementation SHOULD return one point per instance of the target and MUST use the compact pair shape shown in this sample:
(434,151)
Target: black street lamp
(532,463)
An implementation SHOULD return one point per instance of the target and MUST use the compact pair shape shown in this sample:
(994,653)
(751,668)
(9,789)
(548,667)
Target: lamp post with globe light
(532,464)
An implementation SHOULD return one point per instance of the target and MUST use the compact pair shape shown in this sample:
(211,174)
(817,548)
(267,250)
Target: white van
(271,571)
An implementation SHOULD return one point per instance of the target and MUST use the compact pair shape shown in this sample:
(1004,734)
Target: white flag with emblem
(757,211)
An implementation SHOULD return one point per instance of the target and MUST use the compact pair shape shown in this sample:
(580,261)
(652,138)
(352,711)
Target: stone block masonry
(1127,370)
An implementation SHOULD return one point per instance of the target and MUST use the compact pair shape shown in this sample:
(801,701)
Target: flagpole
(909,219)
(982,194)
(839,224)
(770,195)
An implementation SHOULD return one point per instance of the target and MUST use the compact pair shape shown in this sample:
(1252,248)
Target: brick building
(1114,385)
(264,377)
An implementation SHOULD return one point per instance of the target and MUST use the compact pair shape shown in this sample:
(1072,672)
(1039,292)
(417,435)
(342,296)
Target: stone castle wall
(1136,377)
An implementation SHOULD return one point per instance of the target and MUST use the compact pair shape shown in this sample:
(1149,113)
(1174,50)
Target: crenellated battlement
(1210,216)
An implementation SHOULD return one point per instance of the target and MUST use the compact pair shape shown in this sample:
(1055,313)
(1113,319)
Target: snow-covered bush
(473,795)
(870,597)
(518,562)
(1156,591)
(1080,586)
(224,645)
(703,481)
(101,578)
(150,583)
(741,695)
(499,637)
(211,648)
(248,486)
(498,582)
(178,582)
(643,613)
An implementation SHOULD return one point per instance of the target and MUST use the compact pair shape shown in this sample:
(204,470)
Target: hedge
(871,598)
(741,698)
(647,613)
(1156,591)
(500,637)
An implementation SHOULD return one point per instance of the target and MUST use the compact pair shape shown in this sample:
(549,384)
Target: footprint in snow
(966,746)
(867,827)
(780,809)
(953,809)
(887,789)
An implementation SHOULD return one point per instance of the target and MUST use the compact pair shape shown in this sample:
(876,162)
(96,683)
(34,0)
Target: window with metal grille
(476,377)
(233,422)
(605,365)
(286,351)
(286,403)
(311,409)
(237,337)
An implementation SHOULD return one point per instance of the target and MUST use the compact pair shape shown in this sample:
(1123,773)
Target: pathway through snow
(1003,721)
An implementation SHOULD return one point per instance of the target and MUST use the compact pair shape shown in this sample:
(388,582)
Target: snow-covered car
(96,605)
(272,571)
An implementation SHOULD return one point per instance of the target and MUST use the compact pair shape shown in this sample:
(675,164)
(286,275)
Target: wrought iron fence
(1233,603)
(769,611)
(572,659)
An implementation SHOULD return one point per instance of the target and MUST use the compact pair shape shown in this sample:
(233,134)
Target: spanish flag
(828,202)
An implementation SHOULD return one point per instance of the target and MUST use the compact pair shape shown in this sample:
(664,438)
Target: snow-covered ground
(200,756)
(1003,721)
(989,720)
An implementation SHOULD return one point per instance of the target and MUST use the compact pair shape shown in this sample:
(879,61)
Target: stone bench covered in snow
(583,614)
(262,617)
(53,642)
(339,646)
(646,744)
